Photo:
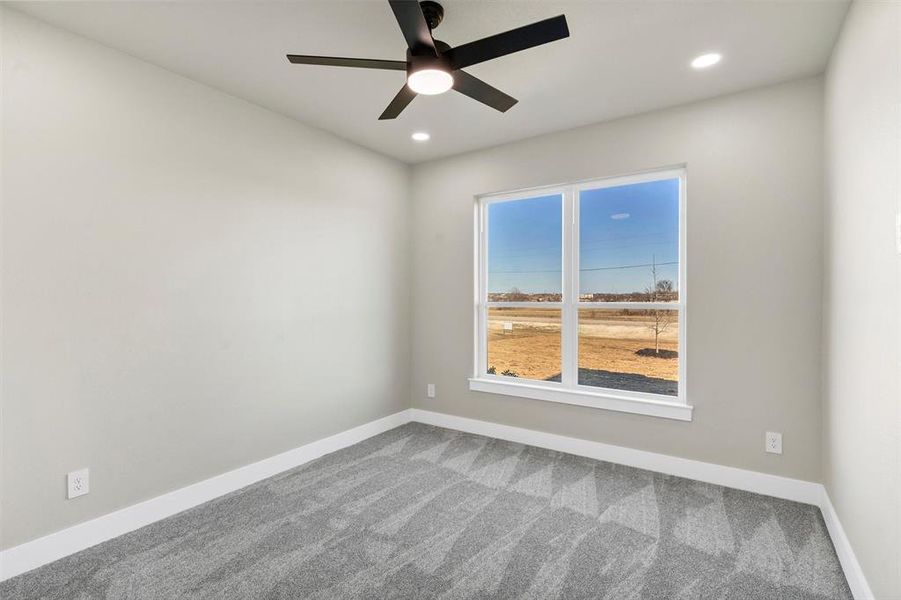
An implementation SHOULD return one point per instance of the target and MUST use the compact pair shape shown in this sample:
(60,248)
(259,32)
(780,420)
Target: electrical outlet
(79,483)
(773,442)
(430,390)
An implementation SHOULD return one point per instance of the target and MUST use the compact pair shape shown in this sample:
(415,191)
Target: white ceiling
(621,58)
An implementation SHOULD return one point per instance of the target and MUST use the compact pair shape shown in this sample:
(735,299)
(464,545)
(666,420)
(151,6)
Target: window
(581,294)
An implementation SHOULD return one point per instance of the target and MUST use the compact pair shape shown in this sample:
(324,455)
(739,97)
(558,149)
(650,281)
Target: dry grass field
(526,341)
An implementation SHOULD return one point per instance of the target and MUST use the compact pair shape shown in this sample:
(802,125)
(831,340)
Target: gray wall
(190,283)
(862,311)
(754,273)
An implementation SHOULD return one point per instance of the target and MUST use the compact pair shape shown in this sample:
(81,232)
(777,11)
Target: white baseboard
(41,551)
(31,555)
(853,573)
(752,481)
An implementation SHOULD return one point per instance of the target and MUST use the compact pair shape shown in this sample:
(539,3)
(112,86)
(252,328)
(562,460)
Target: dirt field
(527,342)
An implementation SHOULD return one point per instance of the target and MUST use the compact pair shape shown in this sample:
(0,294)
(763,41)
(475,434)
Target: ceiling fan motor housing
(427,60)
(433,13)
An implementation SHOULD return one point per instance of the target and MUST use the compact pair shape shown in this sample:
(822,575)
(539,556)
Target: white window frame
(568,390)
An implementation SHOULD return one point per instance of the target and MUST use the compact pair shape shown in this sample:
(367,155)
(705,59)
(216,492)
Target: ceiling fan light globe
(430,82)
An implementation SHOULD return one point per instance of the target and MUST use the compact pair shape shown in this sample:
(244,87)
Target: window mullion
(481,349)
(570,317)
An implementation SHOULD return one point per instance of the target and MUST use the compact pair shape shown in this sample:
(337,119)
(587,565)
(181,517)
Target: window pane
(525,250)
(635,350)
(524,342)
(629,243)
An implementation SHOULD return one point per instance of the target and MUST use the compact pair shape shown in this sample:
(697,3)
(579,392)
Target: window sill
(607,401)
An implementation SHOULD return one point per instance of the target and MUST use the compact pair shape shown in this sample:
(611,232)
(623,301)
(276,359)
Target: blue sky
(620,227)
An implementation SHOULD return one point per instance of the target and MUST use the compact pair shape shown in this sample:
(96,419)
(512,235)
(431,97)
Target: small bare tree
(516,295)
(660,289)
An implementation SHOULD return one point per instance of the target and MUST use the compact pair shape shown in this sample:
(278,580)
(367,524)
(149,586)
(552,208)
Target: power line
(548,271)
(660,264)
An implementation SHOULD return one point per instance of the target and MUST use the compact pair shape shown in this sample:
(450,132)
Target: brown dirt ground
(607,341)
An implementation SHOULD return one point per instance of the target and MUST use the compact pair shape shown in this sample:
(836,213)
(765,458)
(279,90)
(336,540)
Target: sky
(622,231)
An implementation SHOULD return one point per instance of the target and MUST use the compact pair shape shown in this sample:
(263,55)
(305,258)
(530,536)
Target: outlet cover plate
(78,483)
(430,390)
(773,442)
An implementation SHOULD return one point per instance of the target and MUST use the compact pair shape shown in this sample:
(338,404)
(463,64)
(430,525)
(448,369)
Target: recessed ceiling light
(420,136)
(706,60)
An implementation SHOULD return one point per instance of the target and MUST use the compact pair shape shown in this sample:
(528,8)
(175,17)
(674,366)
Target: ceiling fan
(433,67)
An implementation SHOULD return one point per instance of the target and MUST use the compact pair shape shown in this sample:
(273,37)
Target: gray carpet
(424,512)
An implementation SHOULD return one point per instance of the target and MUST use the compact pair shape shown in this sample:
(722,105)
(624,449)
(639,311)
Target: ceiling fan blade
(336,61)
(477,89)
(508,42)
(414,26)
(400,102)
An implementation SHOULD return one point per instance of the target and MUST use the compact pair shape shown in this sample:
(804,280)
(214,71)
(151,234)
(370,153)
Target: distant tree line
(663,292)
